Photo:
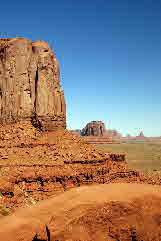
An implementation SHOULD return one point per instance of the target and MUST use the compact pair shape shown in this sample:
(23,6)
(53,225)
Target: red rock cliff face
(30,84)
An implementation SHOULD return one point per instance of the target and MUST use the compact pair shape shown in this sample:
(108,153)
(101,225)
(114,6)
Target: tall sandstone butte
(30,84)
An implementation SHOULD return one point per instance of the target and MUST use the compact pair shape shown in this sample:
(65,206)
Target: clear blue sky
(109,53)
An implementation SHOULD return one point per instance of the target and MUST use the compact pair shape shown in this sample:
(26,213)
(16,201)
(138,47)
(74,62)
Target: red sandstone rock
(30,84)
(141,134)
(94,128)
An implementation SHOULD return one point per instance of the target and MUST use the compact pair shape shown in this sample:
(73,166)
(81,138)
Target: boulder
(30,84)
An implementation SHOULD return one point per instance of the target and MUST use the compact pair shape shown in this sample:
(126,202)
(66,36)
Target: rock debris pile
(21,143)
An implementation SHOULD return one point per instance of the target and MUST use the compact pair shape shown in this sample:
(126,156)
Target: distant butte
(141,134)
(94,128)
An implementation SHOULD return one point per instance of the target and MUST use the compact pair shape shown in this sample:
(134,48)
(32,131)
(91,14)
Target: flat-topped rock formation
(30,84)
(95,133)
(94,128)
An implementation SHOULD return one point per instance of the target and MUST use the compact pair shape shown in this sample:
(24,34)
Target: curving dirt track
(101,212)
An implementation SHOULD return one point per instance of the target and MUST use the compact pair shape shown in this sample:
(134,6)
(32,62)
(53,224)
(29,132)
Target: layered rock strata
(30,84)
(34,167)
(26,185)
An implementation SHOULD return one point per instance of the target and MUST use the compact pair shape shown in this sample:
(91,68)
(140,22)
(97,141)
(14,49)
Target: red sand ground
(103,212)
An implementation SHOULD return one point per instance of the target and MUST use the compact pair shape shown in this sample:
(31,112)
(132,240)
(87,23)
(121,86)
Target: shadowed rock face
(94,128)
(30,84)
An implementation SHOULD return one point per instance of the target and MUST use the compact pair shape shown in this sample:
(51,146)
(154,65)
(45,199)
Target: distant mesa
(30,84)
(97,129)
(95,132)
(141,134)
(94,128)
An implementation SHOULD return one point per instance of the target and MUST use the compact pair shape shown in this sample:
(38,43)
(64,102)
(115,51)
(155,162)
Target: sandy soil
(69,211)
